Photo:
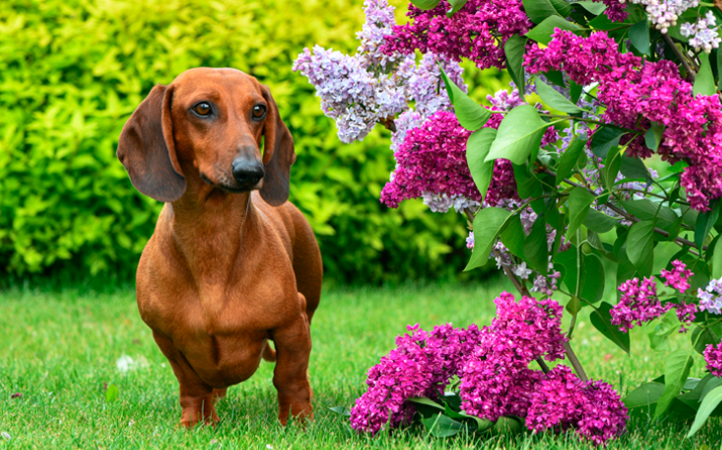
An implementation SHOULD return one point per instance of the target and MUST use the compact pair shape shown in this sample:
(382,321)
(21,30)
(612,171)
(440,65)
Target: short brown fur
(228,268)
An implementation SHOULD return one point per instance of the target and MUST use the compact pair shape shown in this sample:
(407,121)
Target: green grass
(59,347)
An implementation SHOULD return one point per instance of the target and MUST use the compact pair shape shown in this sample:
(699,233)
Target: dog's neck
(208,225)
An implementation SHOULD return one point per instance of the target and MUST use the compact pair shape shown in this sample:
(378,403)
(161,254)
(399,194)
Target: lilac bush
(549,190)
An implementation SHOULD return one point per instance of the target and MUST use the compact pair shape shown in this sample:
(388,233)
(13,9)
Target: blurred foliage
(74,70)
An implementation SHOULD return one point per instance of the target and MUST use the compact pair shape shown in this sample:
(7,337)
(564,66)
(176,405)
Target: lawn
(60,347)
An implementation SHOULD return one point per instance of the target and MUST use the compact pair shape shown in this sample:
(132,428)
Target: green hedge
(72,71)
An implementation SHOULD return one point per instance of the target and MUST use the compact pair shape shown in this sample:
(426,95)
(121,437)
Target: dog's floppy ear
(147,150)
(278,155)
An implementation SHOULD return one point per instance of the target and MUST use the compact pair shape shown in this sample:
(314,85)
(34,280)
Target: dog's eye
(259,111)
(202,109)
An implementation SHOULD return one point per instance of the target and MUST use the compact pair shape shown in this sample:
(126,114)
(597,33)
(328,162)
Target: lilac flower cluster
(710,298)
(562,401)
(495,380)
(704,32)
(640,304)
(638,95)
(664,13)
(373,86)
(478,31)
(713,357)
(421,365)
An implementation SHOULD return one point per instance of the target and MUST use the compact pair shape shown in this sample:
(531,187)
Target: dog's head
(213,121)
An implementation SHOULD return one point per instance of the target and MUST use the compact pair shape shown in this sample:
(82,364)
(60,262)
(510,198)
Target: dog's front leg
(290,377)
(196,397)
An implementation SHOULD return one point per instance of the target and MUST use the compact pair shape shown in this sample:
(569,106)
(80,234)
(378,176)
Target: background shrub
(71,73)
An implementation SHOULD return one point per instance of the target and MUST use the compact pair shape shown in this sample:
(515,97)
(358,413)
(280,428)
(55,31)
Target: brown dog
(227,269)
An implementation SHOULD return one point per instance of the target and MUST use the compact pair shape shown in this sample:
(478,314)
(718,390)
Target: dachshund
(232,264)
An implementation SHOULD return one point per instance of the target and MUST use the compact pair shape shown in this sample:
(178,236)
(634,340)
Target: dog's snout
(247,173)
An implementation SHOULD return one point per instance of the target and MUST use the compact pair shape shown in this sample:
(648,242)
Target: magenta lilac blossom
(713,357)
(677,277)
(637,94)
(605,415)
(558,402)
(639,304)
(478,31)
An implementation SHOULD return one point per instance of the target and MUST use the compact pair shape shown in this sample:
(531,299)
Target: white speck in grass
(5,434)
(585,341)
(125,363)
(162,365)
(269,446)
(131,423)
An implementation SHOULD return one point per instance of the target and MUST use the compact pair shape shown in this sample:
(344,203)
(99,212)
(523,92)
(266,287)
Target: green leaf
(599,222)
(709,335)
(646,210)
(634,168)
(640,246)
(519,133)
(601,320)
(662,330)
(488,223)
(705,222)
(717,260)
(538,10)
(653,136)
(440,425)
(513,236)
(341,410)
(455,6)
(579,201)
(426,401)
(593,7)
(481,424)
(645,395)
(593,278)
(639,35)
(709,404)
(477,147)
(704,82)
(507,425)
(676,371)
(514,52)
(470,114)
(554,99)
(542,33)
(612,163)
(111,394)
(536,248)
(604,138)
(562,6)
(569,159)
(425,4)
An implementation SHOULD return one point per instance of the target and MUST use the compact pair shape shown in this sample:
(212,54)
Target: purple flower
(478,31)
(605,415)
(638,305)
(713,357)
(636,95)
(686,313)
(677,277)
(421,365)
(710,299)
(558,402)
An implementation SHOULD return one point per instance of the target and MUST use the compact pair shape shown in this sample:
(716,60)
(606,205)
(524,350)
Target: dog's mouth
(225,187)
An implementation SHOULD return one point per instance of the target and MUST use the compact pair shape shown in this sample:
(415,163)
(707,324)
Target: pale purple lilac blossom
(710,298)
(664,13)
(704,32)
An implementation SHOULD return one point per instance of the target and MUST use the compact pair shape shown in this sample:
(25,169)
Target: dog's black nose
(247,173)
